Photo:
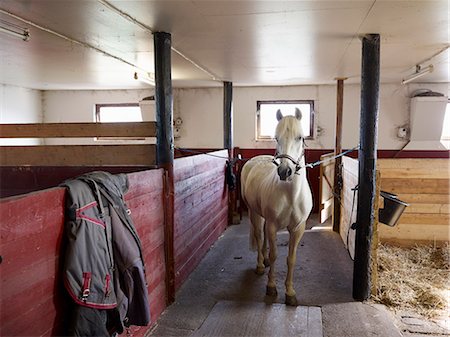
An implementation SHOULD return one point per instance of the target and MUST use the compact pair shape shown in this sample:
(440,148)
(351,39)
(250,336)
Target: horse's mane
(290,126)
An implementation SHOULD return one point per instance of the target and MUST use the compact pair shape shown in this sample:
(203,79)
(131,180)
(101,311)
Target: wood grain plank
(424,198)
(412,185)
(426,219)
(260,319)
(78,155)
(428,208)
(197,206)
(143,182)
(191,261)
(78,130)
(406,231)
(424,173)
(187,243)
(410,163)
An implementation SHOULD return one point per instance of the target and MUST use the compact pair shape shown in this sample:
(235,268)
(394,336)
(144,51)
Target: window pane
(115,114)
(268,120)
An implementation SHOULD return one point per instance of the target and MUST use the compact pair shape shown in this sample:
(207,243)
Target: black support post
(370,83)
(228,116)
(165,148)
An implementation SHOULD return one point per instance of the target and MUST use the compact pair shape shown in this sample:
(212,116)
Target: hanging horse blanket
(103,266)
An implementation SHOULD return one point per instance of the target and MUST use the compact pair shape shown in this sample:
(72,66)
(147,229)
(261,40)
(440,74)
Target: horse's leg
(257,223)
(271,289)
(265,251)
(294,239)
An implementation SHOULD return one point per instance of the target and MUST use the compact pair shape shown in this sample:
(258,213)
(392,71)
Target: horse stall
(34,301)
(422,183)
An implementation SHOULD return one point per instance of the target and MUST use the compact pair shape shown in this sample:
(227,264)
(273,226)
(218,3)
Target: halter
(286,156)
(298,167)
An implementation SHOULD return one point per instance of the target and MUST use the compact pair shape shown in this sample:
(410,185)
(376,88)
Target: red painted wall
(33,301)
(201,209)
(16,180)
(313,155)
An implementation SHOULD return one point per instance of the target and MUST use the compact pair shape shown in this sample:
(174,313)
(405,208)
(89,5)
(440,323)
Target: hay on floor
(414,279)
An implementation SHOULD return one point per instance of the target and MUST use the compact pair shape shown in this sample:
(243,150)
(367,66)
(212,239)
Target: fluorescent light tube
(25,35)
(418,74)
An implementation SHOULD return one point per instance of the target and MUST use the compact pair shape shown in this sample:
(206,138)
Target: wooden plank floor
(234,319)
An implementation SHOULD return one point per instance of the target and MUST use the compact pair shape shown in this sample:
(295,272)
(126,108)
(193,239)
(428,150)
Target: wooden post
(228,116)
(370,83)
(165,148)
(228,138)
(338,161)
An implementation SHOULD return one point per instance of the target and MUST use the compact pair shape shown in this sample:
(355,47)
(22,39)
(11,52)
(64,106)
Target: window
(267,120)
(446,128)
(116,113)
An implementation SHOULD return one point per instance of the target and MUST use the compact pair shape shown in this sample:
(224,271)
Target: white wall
(201,110)
(79,106)
(20,105)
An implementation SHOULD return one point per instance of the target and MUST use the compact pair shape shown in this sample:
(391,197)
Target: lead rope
(298,167)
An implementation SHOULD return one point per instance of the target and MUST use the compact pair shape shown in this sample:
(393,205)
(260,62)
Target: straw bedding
(416,279)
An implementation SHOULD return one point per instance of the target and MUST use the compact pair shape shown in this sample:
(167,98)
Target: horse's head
(290,144)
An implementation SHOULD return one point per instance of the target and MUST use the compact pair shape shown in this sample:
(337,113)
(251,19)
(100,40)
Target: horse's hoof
(291,300)
(266,262)
(260,270)
(271,291)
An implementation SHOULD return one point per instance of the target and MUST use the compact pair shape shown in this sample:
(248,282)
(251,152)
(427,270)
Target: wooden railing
(79,155)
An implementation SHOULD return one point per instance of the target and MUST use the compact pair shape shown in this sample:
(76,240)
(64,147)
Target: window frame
(98,107)
(446,137)
(291,101)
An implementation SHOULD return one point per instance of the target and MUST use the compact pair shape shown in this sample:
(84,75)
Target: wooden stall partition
(201,209)
(145,200)
(33,301)
(79,155)
(349,202)
(326,180)
(424,184)
(32,296)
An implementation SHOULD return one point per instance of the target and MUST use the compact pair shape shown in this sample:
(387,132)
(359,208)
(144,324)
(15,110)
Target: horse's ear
(298,113)
(279,115)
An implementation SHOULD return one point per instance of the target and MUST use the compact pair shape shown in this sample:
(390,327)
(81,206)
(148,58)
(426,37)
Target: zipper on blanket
(107,285)
(86,285)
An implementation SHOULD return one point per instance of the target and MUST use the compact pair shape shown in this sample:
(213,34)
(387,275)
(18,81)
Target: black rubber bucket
(393,209)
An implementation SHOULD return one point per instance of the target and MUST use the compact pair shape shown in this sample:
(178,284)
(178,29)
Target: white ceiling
(246,42)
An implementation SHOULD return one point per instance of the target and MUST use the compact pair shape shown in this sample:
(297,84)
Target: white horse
(278,196)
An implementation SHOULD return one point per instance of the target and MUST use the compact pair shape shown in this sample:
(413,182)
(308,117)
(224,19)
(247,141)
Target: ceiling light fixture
(23,34)
(146,78)
(419,73)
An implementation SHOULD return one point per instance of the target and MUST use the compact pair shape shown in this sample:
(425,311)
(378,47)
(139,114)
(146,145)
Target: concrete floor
(323,278)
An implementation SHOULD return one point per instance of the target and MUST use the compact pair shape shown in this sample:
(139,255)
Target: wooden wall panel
(425,185)
(349,202)
(201,208)
(75,130)
(33,300)
(145,200)
(31,234)
(326,181)
(78,155)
